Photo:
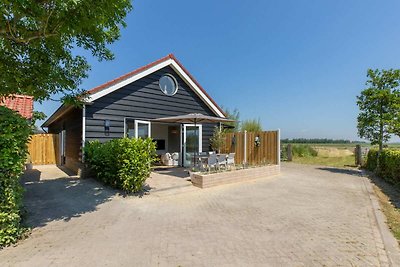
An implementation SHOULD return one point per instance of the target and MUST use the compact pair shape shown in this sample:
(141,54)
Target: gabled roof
(21,103)
(169,60)
(117,83)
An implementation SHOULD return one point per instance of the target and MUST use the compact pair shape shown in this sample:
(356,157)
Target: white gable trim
(149,71)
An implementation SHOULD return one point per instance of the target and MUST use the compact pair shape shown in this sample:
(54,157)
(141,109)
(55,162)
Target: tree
(379,107)
(252,125)
(38,41)
(232,115)
(218,139)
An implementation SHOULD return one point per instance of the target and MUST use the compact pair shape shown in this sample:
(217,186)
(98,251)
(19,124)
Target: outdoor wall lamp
(257,141)
(107,127)
(233,140)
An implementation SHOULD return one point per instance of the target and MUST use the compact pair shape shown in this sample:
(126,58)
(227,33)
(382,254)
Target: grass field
(339,155)
(326,161)
(334,155)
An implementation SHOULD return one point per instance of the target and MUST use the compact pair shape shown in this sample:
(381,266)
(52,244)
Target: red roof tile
(21,103)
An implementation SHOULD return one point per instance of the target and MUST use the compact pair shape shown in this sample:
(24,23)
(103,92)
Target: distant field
(341,162)
(347,145)
(334,155)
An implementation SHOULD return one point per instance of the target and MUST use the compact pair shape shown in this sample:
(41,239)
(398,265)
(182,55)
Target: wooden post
(245,148)
(289,152)
(358,155)
(278,142)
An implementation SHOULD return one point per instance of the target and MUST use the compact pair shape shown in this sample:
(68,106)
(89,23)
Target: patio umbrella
(193,118)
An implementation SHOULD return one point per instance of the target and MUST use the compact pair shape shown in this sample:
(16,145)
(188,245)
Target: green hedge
(389,164)
(15,132)
(121,163)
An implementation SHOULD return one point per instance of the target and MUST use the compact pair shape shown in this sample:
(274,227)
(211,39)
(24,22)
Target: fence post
(245,148)
(289,152)
(279,147)
(358,154)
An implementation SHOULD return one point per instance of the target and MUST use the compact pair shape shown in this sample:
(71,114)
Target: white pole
(245,148)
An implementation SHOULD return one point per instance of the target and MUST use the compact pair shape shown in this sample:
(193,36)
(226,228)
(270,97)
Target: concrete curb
(390,243)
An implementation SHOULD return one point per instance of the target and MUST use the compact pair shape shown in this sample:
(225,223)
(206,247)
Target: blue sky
(297,65)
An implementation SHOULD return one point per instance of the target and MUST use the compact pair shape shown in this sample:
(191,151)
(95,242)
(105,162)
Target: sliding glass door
(192,143)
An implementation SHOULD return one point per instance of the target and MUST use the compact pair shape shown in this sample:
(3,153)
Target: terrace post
(245,148)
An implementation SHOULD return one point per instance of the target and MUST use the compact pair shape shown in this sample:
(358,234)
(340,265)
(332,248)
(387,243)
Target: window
(168,84)
(129,128)
(137,129)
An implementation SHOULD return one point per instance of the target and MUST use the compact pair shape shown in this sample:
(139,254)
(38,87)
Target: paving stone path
(307,216)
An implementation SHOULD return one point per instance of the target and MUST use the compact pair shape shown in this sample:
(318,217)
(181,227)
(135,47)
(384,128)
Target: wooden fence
(254,148)
(44,149)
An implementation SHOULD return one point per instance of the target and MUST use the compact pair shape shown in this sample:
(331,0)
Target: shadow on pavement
(173,171)
(355,172)
(60,198)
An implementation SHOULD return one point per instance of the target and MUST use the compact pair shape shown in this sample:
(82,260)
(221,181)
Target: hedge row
(389,164)
(121,163)
(15,132)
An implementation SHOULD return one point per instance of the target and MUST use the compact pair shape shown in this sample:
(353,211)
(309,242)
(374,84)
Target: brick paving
(307,216)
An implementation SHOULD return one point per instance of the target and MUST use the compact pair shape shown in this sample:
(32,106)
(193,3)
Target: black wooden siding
(143,99)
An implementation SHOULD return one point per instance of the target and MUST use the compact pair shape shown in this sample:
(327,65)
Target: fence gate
(44,149)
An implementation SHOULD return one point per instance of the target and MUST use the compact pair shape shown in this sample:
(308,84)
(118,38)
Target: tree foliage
(232,115)
(379,106)
(251,125)
(37,41)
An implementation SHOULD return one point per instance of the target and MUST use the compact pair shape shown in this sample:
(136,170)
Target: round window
(168,85)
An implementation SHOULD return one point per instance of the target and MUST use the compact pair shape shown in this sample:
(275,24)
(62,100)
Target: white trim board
(168,62)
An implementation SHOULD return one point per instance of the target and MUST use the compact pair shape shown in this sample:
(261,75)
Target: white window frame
(142,122)
(175,82)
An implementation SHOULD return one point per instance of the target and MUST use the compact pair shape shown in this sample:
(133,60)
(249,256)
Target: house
(23,104)
(127,105)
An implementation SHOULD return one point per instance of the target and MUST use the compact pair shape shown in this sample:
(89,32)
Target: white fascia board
(127,81)
(149,71)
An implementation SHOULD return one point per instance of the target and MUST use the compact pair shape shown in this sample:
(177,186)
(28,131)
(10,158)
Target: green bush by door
(121,163)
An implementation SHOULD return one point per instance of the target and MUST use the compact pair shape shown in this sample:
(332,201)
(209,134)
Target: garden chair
(230,161)
(212,162)
(221,160)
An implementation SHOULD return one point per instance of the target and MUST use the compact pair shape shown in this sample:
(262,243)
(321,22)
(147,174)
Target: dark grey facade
(143,100)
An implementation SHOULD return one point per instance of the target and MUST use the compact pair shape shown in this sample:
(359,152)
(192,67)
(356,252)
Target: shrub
(218,140)
(372,160)
(284,152)
(121,163)
(389,164)
(304,151)
(14,136)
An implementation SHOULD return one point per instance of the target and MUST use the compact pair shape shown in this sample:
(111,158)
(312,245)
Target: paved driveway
(308,216)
